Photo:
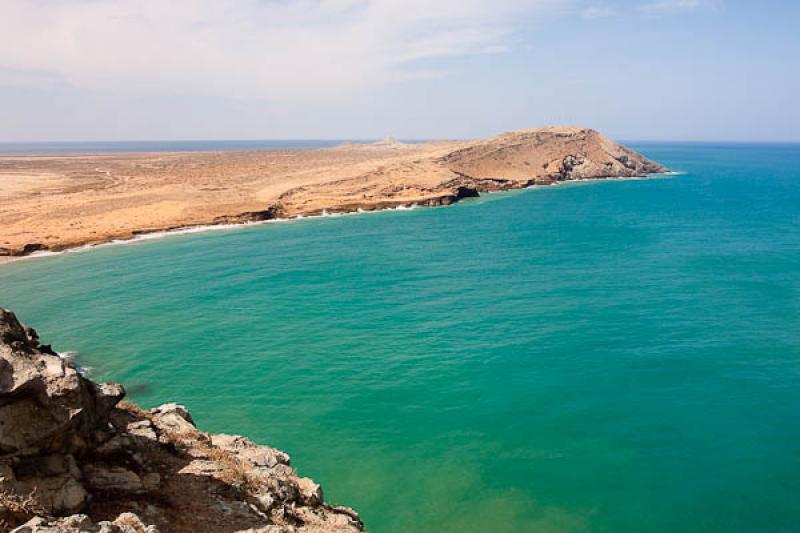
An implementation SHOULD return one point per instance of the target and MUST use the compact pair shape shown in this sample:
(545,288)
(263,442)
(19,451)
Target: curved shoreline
(62,203)
(160,233)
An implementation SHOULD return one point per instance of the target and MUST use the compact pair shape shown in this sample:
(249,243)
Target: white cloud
(273,49)
(666,7)
(597,11)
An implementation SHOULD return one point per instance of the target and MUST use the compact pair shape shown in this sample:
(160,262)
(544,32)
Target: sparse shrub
(16,509)
(130,523)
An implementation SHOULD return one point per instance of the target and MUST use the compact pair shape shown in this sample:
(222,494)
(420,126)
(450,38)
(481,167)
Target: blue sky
(269,69)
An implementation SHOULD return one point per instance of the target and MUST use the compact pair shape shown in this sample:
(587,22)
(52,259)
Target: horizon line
(372,139)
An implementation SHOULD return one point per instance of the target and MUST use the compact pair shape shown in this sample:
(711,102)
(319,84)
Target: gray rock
(67,446)
(45,404)
(143,428)
(81,523)
(113,479)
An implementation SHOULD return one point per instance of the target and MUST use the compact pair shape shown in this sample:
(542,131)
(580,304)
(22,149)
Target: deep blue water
(606,356)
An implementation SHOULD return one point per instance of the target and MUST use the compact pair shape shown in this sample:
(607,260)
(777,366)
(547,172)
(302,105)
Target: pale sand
(58,202)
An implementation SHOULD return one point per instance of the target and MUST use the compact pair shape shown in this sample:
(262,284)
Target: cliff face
(74,457)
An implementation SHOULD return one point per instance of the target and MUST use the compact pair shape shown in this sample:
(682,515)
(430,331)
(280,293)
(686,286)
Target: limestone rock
(113,479)
(260,456)
(45,404)
(124,523)
(68,445)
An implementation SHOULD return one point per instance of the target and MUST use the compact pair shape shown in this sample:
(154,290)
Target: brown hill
(552,153)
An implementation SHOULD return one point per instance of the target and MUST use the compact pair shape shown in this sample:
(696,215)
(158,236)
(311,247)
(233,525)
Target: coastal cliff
(59,202)
(74,456)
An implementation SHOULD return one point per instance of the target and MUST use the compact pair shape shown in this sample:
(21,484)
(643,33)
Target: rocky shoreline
(151,193)
(75,456)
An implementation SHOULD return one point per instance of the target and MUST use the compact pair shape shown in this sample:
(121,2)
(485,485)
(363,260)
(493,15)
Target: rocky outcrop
(546,155)
(74,457)
(514,160)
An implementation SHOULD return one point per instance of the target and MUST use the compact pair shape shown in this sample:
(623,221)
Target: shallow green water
(612,356)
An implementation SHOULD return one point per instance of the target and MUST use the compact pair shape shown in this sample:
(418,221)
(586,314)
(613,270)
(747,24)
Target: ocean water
(612,356)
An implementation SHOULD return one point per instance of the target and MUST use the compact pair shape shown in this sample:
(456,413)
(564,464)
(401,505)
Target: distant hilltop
(449,171)
(121,196)
(388,141)
(550,154)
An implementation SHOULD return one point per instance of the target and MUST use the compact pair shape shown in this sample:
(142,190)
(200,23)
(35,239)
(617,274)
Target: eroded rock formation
(75,457)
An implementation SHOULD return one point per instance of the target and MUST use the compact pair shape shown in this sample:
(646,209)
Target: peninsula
(64,201)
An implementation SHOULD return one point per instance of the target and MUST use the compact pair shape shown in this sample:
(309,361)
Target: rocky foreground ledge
(75,457)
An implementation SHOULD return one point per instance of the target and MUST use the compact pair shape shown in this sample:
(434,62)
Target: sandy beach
(59,202)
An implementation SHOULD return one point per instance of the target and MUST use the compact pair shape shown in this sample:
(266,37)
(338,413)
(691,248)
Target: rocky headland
(74,456)
(58,202)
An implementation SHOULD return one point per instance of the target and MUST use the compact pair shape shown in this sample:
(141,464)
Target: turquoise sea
(609,356)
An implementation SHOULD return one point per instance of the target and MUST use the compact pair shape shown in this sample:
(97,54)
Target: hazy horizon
(636,70)
(373,139)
